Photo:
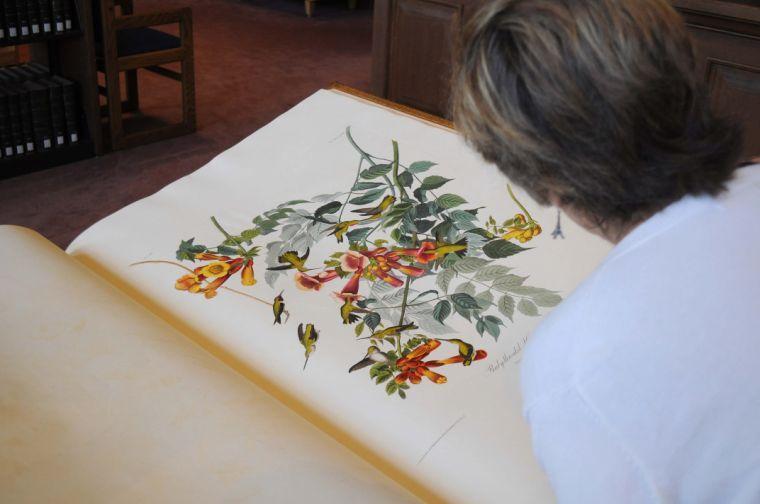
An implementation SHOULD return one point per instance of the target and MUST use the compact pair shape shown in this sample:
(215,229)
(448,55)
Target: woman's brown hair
(596,102)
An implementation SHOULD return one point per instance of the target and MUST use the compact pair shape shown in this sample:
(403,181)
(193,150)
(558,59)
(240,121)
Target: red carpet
(254,60)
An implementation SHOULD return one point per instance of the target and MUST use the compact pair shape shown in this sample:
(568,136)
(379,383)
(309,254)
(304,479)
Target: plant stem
(395,164)
(403,312)
(514,198)
(228,236)
(350,192)
(366,157)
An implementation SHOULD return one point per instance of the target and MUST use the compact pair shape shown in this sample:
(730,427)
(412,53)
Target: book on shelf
(3,32)
(68,14)
(11,18)
(46,16)
(40,111)
(157,355)
(33,13)
(23,17)
(59,23)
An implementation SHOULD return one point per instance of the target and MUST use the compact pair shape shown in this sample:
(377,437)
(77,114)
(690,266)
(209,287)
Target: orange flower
(413,368)
(246,277)
(209,277)
(383,261)
(314,282)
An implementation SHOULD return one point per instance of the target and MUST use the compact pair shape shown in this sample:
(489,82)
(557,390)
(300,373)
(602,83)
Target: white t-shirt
(644,385)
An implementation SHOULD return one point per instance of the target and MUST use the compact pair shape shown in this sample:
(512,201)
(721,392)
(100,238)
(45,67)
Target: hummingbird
(373,356)
(308,338)
(290,260)
(374,212)
(393,330)
(341,227)
(278,306)
(347,312)
(466,351)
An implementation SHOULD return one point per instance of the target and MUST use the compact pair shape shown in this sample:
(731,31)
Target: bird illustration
(341,227)
(278,306)
(373,356)
(308,338)
(393,330)
(347,310)
(466,351)
(290,260)
(376,211)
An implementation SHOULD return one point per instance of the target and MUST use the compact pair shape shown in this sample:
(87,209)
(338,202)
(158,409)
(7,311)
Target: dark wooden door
(727,36)
(413,49)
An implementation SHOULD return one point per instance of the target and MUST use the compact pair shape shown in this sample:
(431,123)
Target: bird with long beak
(373,356)
(308,337)
(290,260)
(347,310)
(375,212)
(278,306)
(393,330)
(341,228)
(466,351)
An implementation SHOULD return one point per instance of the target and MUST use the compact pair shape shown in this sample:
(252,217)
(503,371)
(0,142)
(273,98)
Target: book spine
(41,119)
(46,15)
(22,11)
(11,20)
(33,11)
(27,127)
(14,113)
(5,143)
(3,31)
(68,15)
(58,119)
(59,24)
(71,111)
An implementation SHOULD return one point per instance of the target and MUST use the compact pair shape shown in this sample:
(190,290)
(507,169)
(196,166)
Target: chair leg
(309,7)
(133,98)
(115,125)
(188,78)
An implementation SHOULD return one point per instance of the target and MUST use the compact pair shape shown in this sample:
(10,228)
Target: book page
(420,259)
(100,401)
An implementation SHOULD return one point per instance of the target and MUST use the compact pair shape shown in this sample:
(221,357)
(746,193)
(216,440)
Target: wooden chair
(128,43)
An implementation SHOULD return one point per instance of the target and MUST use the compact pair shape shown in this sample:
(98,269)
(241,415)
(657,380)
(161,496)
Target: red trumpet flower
(384,261)
(413,368)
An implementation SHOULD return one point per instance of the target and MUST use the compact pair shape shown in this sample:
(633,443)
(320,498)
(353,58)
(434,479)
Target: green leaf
(443,279)
(506,306)
(329,208)
(463,220)
(368,197)
(508,283)
(433,182)
(491,272)
(480,326)
(293,202)
(372,320)
(484,299)
(464,301)
(420,166)
(249,234)
(363,186)
(449,200)
(391,388)
(401,393)
(423,226)
(358,234)
(527,307)
(466,287)
(441,311)
(375,171)
(492,326)
(187,250)
(225,250)
(359,328)
(498,249)
(405,179)
(470,264)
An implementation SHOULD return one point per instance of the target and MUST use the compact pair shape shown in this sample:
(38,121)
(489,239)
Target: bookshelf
(67,49)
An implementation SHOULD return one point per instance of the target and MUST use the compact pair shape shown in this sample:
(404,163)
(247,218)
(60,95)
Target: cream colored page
(100,401)
(462,441)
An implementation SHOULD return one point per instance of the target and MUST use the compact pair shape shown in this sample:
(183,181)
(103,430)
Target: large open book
(347,327)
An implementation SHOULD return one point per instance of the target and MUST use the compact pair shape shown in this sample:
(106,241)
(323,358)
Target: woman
(644,385)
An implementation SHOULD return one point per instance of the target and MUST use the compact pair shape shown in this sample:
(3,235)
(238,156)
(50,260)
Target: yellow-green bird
(376,211)
(341,228)
(278,306)
(466,351)
(347,310)
(373,356)
(393,330)
(308,338)
(290,260)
